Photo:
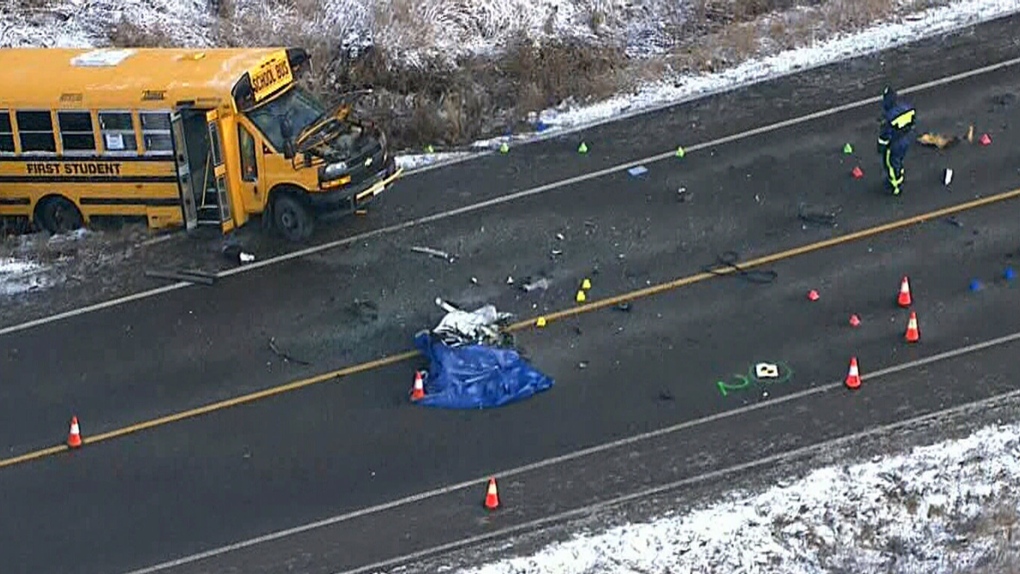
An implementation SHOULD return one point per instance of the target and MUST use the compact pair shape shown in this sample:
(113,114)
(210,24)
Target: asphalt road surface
(353,442)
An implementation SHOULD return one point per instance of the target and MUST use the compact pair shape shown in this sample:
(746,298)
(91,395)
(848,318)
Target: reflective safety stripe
(882,141)
(903,120)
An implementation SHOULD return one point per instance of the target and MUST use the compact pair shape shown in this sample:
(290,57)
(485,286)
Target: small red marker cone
(853,377)
(418,391)
(855,321)
(813,295)
(492,496)
(74,437)
(857,173)
(905,299)
(913,334)
(985,139)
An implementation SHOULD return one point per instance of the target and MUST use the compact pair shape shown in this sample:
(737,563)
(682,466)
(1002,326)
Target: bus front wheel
(59,215)
(292,219)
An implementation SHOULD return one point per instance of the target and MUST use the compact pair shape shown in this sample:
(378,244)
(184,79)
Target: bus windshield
(296,106)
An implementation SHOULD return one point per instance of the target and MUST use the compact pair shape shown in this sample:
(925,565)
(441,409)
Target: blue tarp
(476,376)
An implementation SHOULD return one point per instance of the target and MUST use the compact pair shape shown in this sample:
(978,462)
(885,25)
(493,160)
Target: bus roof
(46,78)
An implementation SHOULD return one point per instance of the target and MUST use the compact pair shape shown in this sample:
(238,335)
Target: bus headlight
(334,170)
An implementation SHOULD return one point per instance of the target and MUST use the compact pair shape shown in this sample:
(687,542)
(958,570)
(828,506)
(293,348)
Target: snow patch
(687,87)
(909,513)
(19,276)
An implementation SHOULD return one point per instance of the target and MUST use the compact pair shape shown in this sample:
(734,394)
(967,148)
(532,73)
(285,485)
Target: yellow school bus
(180,137)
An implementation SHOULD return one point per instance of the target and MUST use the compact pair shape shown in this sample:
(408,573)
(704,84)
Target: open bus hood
(324,129)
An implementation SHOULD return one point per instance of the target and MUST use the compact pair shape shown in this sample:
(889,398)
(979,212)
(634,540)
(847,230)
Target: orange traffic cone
(74,437)
(418,392)
(853,377)
(905,300)
(913,333)
(492,496)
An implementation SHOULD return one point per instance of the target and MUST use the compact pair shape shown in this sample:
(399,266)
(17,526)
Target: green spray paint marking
(741,382)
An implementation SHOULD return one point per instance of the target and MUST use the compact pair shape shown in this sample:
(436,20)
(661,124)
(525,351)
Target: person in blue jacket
(894,137)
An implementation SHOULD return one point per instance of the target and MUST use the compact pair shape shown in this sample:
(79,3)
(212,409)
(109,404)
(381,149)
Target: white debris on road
(940,508)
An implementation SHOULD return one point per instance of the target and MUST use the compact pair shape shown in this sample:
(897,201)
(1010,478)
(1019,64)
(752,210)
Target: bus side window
(118,129)
(36,132)
(249,166)
(76,133)
(156,132)
(6,132)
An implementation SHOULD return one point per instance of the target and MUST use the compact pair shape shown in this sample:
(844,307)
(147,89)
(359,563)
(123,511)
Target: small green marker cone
(680,151)
(848,149)
(503,148)
(583,148)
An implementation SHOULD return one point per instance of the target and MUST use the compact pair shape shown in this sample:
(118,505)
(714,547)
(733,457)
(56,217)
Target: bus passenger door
(184,178)
(219,171)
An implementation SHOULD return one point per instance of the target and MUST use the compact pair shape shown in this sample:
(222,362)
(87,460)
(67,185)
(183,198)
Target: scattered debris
(509,279)
(235,254)
(433,253)
(189,275)
(638,170)
(478,327)
(952,220)
(474,281)
(985,139)
(948,177)
(683,196)
(970,134)
(857,172)
(560,236)
(817,217)
(582,365)
(625,307)
(286,358)
(542,284)
(937,140)
(556,252)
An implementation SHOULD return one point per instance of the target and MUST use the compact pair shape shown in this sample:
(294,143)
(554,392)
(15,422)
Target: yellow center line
(578,310)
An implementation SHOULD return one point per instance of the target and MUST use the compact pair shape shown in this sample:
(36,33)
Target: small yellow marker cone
(429,149)
(680,151)
(540,322)
(503,148)
(583,148)
(586,284)
(581,296)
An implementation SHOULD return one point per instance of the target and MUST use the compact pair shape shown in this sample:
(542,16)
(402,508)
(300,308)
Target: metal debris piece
(433,253)
(556,252)
(682,195)
(542,284)
(622,307)
(560,236)
(480,326)
(638,170)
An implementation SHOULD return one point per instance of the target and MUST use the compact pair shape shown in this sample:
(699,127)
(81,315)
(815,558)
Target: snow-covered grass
(448,73)
(947,507)
(18,276)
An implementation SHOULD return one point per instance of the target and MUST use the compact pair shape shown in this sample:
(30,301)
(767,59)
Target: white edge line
(545,135)
(507,198)
(959,351)
(662,488)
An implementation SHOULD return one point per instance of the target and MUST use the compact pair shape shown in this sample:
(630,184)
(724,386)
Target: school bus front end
(314,159)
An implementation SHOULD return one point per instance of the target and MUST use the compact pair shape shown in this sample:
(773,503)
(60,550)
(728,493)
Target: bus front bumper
(348,199)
